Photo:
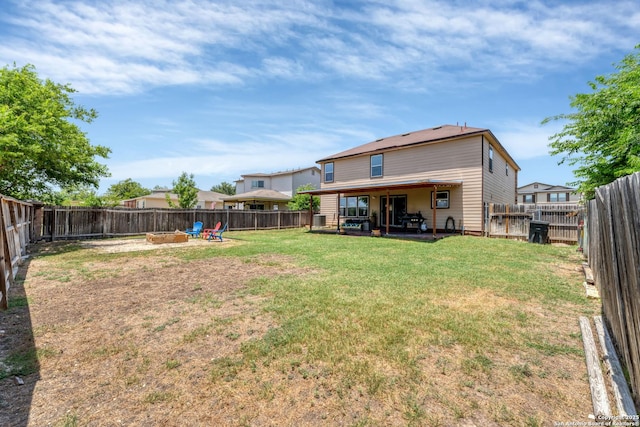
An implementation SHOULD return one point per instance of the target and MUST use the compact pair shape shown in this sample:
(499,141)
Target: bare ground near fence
(121,310)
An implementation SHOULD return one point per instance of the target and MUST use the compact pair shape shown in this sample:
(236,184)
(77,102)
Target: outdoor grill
(411,220)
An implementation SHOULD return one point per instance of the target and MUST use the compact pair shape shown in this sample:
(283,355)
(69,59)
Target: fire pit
(168,237)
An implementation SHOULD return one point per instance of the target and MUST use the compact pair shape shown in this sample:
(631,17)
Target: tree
(224,188)
(300,202)
(127,189)
(185,188)
(40,146)
(603,137)
(80,195)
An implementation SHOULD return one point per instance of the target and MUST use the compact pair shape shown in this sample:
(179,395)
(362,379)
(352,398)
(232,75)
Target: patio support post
(433,203)
(310,212)
(387,213)
(338,210)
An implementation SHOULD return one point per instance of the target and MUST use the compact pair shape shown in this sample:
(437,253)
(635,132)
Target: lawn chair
(218,234)
(207,232)
(196,230)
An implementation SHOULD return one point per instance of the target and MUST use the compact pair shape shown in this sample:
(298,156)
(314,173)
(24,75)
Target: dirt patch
(141,244)
(131,341)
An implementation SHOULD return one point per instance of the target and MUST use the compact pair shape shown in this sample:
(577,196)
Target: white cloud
(525,139)
(122,47)
(270,153)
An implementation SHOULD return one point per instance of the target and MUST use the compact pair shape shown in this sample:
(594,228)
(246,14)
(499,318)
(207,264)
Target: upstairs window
(328,172)
(257,184)
(557,197)
(528,198)
(376,165)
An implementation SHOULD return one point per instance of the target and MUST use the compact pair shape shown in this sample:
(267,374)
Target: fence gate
(16,220)
(512,221)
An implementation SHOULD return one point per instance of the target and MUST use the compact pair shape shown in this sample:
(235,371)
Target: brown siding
(441,161)
(463,159)
(457,160)
(498,187)
(328,208)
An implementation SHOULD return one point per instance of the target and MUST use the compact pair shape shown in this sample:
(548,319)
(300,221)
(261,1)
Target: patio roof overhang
(382,186)
(387,187)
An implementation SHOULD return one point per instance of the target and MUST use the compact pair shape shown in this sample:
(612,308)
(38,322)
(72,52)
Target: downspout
(433,203)
(387,212)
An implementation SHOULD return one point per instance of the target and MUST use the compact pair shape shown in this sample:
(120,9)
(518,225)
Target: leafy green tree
(185,188)
(300,202)
(127,189)
(80,195)
(41,146)
(603,136)
(224,188)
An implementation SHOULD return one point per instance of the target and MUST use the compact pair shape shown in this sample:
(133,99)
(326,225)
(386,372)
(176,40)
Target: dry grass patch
(286,328)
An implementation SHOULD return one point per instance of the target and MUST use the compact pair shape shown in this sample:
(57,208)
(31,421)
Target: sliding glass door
(397,208)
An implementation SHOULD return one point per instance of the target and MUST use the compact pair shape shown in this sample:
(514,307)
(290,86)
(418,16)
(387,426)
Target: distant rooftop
(285,172)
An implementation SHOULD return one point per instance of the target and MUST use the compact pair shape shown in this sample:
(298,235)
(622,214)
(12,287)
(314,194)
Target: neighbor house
(539,193)
(272,191)
(444,175)
(158,199)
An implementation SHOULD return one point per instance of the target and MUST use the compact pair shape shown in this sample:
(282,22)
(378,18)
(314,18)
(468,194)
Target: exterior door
(397,208)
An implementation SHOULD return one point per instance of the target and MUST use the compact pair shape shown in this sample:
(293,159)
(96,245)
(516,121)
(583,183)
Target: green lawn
(329,330)
(383,316)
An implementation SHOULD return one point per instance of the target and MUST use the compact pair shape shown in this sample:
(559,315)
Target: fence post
(5,260)
(67,225)
(506,215)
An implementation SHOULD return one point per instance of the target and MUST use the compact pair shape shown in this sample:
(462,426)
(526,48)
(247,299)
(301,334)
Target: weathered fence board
(16,219)
(512,221)
(614,257)
(80,222)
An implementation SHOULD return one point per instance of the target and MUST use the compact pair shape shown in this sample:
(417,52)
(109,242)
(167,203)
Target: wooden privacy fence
(614,257)
(512,221)
(16,229)
(80,222)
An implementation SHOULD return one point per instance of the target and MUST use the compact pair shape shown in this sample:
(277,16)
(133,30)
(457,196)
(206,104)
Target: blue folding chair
(217,234)
(196,230)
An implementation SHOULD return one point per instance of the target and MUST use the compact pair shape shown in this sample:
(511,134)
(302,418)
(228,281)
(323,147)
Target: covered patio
(385,190)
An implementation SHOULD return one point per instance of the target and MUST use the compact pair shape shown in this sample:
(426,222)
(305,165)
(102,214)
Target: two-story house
(539,193)
(271,191)
(445,174)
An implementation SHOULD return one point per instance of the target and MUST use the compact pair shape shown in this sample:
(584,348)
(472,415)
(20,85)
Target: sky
(223,88)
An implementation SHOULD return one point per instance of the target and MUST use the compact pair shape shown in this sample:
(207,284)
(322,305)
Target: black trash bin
(538,232)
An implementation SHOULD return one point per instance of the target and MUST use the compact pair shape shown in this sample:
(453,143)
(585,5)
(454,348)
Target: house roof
(542,187)
(160,195)
(262,195)
(288,172)
(431,135)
